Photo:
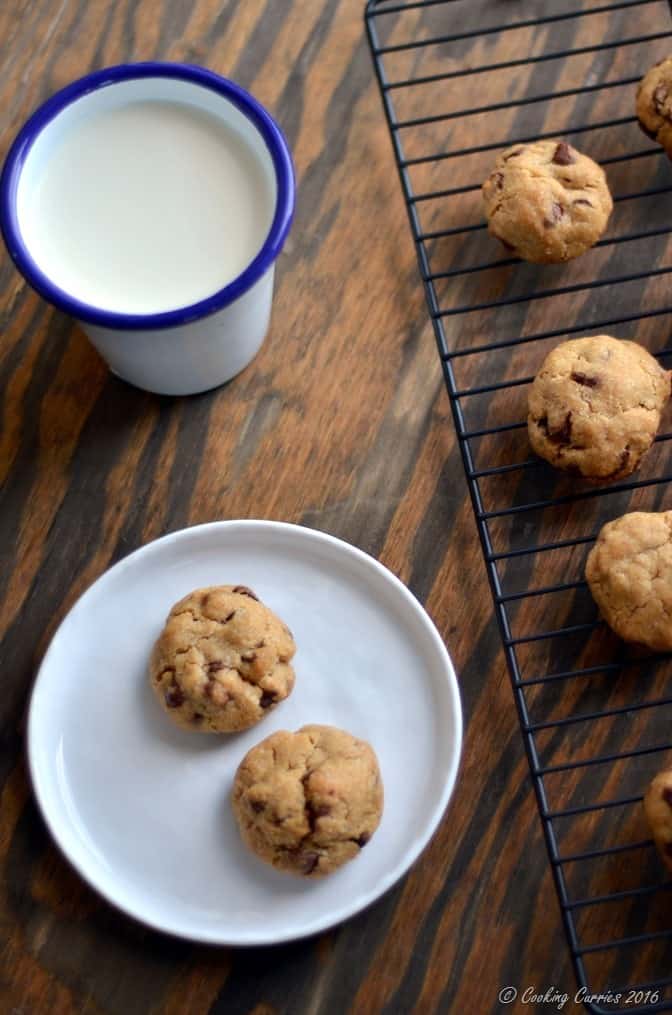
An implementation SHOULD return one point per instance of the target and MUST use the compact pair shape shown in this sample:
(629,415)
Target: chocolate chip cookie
(654,104)
(658,809)
(222,660)
(308,802)
(546,201)
(594,407)
(629,572)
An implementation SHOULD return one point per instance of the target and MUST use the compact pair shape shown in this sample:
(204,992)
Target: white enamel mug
(192,348)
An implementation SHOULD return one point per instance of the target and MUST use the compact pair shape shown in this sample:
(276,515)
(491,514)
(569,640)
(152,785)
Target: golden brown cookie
(222,661)
(629,572)
(308,802)
(654,104)
(546,201)
(658,809)
(594,408)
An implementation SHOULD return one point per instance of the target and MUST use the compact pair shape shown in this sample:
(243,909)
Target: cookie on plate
(658,809)
(594,408)
(629,572)
(654,104)
(222,660)
(308,802)
(546,201)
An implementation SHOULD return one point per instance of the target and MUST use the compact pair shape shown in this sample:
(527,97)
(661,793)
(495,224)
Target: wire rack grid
(459,80)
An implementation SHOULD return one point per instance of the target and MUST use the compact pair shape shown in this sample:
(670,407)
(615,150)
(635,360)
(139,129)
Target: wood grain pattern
(341,423)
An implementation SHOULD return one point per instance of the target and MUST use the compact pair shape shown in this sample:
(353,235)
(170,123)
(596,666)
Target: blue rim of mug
(246,103)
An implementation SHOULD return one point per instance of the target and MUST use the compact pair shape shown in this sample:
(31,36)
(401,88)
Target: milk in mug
(147,207)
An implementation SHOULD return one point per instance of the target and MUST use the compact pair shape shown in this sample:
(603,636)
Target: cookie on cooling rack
(654,104)
(222,661)
(629,573)
(308,802)
(546,201)
(594,408)
(658,810)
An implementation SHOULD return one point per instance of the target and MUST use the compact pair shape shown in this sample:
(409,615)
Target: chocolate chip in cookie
(564,155)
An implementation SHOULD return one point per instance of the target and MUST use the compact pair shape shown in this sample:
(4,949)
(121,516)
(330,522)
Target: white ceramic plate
(141,809)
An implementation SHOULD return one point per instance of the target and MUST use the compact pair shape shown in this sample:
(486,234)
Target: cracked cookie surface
(546,201)
(594,408)
(654,104)
(308,802)
(658,810)
(222,661)
(629,572)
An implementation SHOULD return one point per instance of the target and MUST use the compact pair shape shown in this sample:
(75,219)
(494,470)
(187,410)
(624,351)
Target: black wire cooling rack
(459,80)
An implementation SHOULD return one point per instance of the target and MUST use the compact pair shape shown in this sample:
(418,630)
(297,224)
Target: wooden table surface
(341,423)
